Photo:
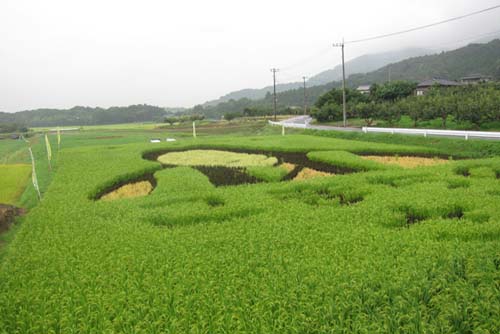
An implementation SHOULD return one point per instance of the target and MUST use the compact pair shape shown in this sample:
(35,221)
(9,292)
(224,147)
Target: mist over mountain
(366,63)
(362,64)
(472,59)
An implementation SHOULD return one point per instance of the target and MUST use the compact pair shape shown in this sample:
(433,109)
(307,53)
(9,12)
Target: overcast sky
(61,53)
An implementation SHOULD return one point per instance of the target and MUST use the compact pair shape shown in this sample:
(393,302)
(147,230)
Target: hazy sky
(61,53)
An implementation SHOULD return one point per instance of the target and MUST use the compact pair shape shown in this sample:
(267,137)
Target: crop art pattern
(362,247)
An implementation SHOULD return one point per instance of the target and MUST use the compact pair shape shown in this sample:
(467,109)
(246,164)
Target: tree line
(475,105)
(81,115)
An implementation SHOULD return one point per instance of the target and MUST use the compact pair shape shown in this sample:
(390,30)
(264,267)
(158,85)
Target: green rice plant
(346,159)
(13,181)
(333,254)
(268,173)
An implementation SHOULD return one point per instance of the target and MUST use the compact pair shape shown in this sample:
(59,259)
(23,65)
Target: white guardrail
(432,132)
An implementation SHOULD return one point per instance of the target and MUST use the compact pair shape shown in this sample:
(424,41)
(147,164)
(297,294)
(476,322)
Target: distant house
(475,79)
(364,89)
(424,86)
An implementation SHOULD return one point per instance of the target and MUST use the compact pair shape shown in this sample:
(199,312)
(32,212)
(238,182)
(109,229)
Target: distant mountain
(253,94)
(472,59)
(366,63)
(363,64)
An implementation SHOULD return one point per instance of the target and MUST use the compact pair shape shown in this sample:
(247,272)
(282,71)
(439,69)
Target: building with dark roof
(364,89)
(475,79)
(424,86)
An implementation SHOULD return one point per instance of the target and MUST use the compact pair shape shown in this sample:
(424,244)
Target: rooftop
(439,82)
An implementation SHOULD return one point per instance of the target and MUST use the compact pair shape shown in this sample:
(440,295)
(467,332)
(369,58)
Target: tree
(389,113)
(230,116)
(196,117)
(171,120)
(394,90)
(366,111)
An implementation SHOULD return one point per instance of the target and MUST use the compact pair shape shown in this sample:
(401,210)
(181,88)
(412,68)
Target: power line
(424,26)
(306,60)
(435,46)
(344,103)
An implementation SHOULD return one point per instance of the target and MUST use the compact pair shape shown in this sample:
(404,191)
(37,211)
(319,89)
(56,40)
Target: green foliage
(182,119)
(335,96)
(12,128)
(472,106)
(393,90)
(230,116)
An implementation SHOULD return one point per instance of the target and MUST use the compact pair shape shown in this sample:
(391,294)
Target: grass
(407,122)
(383,250)
(446,146)
(13,181)
(268,173)
(13,152)
(345,159)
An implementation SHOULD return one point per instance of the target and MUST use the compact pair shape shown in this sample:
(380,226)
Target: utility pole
(305,96)
(274,70)
(389,72)
(344,107)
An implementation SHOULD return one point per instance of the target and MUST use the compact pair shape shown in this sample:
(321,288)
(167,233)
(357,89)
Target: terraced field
(366,248)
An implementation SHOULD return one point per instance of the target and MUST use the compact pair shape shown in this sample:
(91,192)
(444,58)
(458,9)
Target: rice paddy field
(13,181)
(226,238)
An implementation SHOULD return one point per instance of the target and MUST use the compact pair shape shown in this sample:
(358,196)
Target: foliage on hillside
(85,116)
(470,106)
(471,59)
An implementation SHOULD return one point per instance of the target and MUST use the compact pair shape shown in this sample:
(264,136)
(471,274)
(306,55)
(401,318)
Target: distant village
(424,86)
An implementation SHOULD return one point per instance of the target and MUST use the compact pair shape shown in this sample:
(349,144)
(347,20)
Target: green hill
(474,58)
(86,115)
(471,59)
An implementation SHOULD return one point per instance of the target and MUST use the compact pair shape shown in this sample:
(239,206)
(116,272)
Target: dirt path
(8,213)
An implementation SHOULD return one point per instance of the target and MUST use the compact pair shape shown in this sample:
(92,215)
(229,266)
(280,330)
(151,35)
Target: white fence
(432,132)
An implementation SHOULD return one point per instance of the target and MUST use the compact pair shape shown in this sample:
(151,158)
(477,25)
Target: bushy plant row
(473,105)
(346,159)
